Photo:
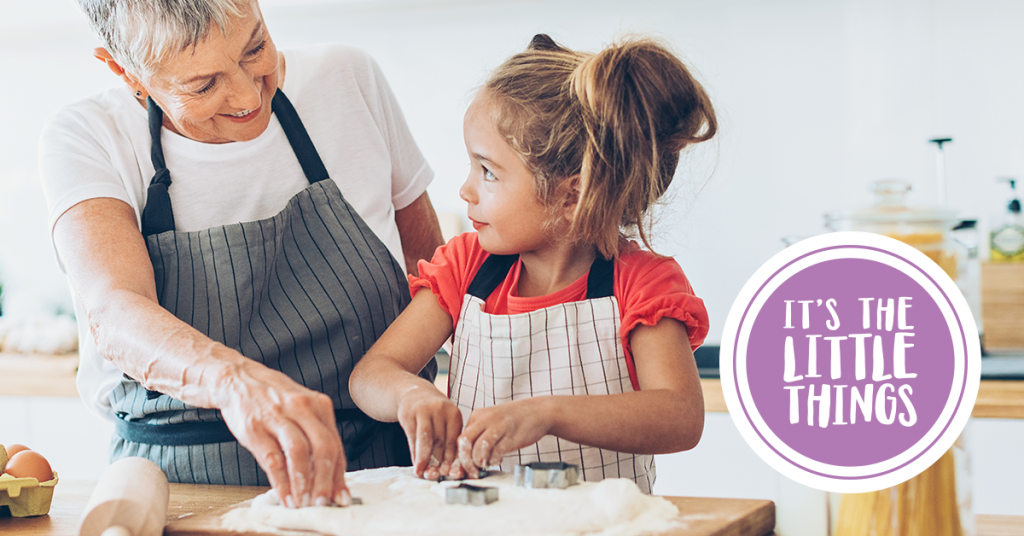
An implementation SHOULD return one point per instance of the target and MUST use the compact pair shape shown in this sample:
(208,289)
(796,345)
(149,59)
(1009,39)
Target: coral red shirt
(647,287)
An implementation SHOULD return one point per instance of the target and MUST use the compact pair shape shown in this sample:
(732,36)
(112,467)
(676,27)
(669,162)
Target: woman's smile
(244,116)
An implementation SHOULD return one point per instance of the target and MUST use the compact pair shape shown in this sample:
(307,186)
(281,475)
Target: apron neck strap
(157,215)
(491,273)
(309,159)
(156,122)
(601,280)
(495,268)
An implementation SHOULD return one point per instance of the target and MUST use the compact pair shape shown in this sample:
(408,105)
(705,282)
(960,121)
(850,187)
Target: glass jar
(937,232)
(926,229)
(936,502)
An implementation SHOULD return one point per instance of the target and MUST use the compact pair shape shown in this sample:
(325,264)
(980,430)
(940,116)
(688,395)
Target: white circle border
(955,413)
(762,297)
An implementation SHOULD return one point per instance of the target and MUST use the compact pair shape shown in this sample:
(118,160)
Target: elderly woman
(235,222)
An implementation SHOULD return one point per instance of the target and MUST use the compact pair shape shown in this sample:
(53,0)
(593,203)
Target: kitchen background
(816,99)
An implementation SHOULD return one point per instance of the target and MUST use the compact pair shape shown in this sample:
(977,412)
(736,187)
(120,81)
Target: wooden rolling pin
(129,500)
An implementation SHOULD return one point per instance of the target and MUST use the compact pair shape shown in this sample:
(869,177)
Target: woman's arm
(289,429)
(666,415)
(385,385)
(419,230)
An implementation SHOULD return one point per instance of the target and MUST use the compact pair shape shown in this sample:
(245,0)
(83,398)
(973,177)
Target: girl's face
(503,204)
(221,91)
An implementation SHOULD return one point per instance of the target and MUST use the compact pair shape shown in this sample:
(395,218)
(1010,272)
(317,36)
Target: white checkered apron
(567,349)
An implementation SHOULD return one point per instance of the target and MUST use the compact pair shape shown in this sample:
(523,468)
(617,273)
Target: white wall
(817,98)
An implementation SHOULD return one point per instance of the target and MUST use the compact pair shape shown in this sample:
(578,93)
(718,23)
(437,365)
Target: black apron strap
(312,166)
(157,215)
(601,280)
(211,432)
(494,270)
(491,273)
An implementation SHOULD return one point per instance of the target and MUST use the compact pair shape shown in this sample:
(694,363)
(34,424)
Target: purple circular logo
(850,362)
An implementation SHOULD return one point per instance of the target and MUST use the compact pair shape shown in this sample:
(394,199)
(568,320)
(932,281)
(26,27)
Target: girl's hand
(432,424)
(497,430)
(456,472)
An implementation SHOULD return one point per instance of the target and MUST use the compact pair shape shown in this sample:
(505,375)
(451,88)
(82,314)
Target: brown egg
(15,448)
(29,464)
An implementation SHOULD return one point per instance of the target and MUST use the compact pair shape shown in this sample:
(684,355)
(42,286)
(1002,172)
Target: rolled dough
(396,502)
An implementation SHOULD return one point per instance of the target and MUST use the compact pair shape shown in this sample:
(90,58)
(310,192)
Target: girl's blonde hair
(617,120)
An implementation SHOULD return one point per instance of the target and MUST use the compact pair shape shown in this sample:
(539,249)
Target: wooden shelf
(38,374)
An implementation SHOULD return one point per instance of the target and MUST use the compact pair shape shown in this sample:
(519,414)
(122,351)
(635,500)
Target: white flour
(396,502)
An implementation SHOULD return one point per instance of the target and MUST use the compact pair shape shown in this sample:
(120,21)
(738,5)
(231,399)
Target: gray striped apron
(571,348)
(306,292)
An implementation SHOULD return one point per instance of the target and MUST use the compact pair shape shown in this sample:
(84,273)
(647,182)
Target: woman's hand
(291,431)
(432,424)
(288,428)
(495,431)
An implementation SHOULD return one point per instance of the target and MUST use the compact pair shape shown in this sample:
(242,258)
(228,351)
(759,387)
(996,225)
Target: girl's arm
(385,385)
(666,415)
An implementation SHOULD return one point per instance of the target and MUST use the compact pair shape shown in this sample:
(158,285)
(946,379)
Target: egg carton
(23,497)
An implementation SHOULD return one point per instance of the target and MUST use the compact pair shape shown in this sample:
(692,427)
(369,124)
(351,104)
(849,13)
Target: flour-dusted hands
(495,431)
(432,424)
(292,433)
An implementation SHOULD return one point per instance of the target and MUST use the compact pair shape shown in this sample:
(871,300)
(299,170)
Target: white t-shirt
(100,147)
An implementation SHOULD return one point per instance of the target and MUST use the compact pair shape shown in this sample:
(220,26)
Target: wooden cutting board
(702,517)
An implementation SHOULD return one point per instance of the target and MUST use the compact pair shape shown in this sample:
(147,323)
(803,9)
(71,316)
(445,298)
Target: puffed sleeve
(650,288)
(450,271)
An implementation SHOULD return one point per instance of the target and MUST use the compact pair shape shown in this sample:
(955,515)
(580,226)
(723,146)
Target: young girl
(570,342)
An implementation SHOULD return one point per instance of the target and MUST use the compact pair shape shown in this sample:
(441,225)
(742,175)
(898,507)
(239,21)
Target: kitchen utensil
(925,228)
(940,169)
(547,475)
(470,494)
(130,499)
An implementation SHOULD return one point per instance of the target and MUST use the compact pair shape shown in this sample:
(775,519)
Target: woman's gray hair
(140,34)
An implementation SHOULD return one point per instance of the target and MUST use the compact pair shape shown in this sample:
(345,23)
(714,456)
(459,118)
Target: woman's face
(220,91)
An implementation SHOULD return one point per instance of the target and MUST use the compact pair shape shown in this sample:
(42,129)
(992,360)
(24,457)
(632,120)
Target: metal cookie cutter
(547,475)
(470,494)
(356,501)
(481,474)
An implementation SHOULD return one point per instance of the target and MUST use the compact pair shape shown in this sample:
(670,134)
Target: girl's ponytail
(640,107)
(617,120)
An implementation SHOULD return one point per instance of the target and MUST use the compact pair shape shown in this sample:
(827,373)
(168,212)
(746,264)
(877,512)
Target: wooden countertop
(187,500)
(190,503)
(71,496)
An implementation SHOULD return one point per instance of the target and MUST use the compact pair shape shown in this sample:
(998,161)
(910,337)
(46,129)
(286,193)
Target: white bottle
(1006,239)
